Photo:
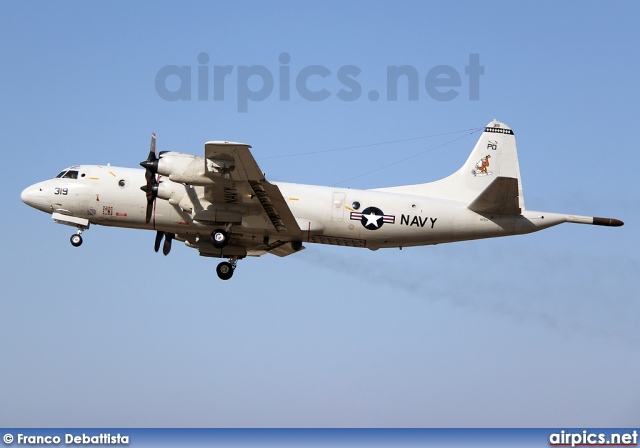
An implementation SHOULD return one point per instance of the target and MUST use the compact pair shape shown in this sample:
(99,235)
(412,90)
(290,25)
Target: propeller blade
(166,248)
(151,164)
(159,236)
(148,174)
(152,149)
(149,213)
(151,191)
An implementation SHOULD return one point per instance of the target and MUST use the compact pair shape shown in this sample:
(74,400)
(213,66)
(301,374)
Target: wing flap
(237,176)
(275,207)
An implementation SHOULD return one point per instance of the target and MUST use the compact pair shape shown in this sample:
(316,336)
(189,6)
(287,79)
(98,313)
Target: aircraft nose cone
(26,195)
(33,196)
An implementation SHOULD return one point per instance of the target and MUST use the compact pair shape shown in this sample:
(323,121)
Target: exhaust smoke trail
(509,299)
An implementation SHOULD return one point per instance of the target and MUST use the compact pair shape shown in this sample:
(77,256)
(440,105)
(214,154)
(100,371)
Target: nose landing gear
(76,239)
(81,224)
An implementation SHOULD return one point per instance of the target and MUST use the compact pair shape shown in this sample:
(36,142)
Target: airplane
(222,205)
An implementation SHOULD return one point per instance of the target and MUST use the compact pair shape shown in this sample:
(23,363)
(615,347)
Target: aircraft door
(337,210)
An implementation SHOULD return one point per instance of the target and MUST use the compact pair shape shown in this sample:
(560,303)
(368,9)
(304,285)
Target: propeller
(159,236)
(151,189)
(166,247)
(151,167)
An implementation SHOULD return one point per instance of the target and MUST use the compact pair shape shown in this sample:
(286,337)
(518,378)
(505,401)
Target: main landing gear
(219,238)
(226,268)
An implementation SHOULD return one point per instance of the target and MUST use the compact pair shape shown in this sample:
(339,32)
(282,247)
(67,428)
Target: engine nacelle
(171,191)
(183,168)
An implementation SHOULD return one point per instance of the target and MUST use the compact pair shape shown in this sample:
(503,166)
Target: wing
(260,220)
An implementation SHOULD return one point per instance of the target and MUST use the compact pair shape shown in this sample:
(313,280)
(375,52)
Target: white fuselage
(222,205)
(111,196)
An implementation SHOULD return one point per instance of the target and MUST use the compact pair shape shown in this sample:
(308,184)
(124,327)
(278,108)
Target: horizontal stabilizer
(500,197)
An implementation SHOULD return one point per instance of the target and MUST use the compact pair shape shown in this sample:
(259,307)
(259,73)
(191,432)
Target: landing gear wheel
(219,238)
(225,270)
(76,240)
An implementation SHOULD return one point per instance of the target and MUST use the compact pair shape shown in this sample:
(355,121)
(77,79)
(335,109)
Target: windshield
(69,173)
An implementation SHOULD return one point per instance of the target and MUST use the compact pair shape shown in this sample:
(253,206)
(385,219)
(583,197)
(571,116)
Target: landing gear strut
(226,268)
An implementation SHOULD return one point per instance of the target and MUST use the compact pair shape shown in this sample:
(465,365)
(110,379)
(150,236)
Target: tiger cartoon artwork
(482,167)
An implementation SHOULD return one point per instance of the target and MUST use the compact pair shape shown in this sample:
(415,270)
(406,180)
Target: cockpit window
(69,173)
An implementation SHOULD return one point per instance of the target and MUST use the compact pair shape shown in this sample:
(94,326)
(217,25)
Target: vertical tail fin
(493,161)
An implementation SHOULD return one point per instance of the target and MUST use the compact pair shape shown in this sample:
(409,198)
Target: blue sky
(536,330)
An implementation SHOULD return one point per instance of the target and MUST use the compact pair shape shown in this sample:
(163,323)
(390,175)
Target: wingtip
(610,222)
